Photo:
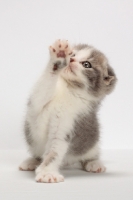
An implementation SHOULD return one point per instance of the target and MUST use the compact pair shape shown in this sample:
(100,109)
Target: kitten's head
(89,70)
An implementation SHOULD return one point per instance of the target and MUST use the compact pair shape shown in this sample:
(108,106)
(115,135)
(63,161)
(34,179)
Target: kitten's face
(89,70)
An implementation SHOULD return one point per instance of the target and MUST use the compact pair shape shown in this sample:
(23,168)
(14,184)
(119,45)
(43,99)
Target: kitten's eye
(86,64)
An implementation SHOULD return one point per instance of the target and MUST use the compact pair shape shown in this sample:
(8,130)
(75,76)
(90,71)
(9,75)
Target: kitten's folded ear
(110,80)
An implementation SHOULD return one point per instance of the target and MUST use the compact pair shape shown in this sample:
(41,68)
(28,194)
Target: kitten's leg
(92,162)
(57,146)
(95,166)
(29,164)
(48,171)
(89,162)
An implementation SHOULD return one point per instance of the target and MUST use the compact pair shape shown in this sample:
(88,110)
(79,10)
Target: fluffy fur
(61,126)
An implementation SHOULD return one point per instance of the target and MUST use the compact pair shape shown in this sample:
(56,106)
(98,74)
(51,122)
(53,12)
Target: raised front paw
(60,49)
(49,177)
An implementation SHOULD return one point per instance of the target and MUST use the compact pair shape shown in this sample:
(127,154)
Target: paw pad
(60,49)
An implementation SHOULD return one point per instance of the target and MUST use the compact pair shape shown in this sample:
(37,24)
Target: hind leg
(89,162)
(29,164)
(95,166)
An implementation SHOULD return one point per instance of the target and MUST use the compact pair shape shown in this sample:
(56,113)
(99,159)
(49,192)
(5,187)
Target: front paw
(60,49)
(49,177)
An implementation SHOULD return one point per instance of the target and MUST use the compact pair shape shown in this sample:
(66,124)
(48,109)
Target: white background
(28,27)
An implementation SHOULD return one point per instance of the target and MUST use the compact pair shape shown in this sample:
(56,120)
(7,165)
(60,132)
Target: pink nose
(72,60)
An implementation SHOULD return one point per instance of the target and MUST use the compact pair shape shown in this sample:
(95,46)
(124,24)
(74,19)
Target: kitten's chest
(43,93)
(66,106)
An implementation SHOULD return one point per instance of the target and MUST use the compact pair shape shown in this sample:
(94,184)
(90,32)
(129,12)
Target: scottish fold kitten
(61,126)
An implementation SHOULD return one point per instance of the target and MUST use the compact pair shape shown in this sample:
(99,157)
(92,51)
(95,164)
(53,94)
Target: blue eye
(86,64)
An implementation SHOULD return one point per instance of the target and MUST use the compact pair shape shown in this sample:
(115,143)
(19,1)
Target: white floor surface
(115,184)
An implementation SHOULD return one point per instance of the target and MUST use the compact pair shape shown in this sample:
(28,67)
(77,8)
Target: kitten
(61,126)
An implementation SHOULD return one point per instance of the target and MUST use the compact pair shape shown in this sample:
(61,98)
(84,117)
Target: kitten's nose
(72,60)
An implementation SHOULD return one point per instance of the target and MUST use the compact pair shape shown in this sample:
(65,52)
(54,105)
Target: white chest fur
(56,113)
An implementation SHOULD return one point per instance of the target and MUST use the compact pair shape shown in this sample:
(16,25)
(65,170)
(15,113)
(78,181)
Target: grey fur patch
(50,158)
(67,138)
(76,84)
(95,81)
(38,159)
(86,134)
(98,56)
(96,75)
(28,133)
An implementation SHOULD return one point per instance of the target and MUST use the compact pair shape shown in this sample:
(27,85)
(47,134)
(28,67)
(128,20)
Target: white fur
(49,177)
(51,116)
(95,166)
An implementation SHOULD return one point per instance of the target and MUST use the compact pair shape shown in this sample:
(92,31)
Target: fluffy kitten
(61,126)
